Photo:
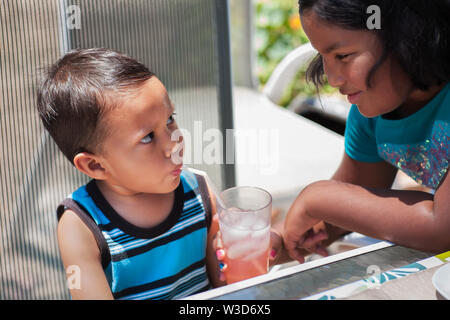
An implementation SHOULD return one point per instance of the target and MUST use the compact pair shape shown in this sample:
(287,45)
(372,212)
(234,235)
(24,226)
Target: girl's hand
(276,246)
(299,232)
(220,255)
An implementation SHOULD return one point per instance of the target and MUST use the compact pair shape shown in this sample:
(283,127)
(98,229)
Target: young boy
(142,227)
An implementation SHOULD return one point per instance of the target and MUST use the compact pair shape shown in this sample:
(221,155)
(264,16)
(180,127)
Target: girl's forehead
(326,37)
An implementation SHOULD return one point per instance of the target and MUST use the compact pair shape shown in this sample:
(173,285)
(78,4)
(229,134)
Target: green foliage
(278,32)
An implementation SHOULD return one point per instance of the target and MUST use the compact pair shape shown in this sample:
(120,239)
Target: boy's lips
(177,170)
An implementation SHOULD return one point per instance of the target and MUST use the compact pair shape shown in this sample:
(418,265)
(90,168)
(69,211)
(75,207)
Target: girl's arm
(410,218)
(372,175)
(379,175)
(78,248)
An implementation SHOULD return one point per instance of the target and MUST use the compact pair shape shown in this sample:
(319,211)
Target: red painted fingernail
(220,254)
(273,253)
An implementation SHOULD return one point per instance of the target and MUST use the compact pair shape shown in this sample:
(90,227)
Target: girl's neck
(415,101)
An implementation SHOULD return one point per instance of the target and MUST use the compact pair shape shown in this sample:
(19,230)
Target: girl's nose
(336,81)
(335,78)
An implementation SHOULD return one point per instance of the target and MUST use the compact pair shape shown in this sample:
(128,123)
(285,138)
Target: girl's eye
(148,138)
(342,56)
(171,118)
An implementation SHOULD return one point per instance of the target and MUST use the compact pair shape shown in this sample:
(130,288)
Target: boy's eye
(171,118)
(148,138)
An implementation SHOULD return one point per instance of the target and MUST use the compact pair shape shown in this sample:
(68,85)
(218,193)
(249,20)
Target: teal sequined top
(418,144)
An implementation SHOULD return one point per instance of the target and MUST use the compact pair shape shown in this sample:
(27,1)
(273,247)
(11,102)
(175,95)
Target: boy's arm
(79,249)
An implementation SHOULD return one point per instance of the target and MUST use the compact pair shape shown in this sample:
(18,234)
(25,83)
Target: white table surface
(301,151)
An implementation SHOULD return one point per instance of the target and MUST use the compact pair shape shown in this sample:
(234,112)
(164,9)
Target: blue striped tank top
(167,261)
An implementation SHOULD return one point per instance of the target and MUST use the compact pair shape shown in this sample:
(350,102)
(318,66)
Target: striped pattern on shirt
(163,262)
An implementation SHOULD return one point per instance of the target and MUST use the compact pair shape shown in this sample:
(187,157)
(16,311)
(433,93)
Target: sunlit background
(276,30)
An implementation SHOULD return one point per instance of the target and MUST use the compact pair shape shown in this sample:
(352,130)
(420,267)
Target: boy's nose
(174,146)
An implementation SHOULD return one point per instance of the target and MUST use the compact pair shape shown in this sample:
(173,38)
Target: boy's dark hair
(76,92)
(415,32)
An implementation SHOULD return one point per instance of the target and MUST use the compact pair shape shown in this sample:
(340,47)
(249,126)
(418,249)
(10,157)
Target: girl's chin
(367,112)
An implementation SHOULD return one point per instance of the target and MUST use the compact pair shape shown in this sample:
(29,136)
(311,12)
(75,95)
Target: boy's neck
(144,210)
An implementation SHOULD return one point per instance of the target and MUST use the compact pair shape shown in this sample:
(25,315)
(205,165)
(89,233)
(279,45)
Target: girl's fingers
(293,239)
(295,254)
(312,243)
(223,266)
(217,241)
(275,213)
(276,243)
(220,254)
(321,250)
(313,238)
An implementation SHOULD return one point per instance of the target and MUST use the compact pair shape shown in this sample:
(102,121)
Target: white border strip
(288,271)
(62,28)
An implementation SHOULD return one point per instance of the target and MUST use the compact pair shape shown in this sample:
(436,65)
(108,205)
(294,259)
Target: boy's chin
(171,186)
(176,183)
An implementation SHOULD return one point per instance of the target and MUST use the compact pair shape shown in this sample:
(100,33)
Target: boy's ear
(90,165)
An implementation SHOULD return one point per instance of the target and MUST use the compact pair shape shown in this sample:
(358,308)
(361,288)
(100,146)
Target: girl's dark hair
(414,32)
(75,93)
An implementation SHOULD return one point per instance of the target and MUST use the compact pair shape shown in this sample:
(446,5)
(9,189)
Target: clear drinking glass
(245,228)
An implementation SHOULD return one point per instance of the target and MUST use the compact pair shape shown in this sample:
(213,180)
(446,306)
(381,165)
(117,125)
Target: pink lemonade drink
(247,249)
(245,229)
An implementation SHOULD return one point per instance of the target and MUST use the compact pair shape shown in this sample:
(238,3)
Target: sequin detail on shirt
(425,162)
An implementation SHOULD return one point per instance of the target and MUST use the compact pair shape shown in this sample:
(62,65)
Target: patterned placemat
(379,278)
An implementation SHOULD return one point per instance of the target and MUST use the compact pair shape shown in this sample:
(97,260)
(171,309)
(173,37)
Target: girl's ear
(90,165)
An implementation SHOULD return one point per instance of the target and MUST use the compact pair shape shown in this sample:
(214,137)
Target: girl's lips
(353,98)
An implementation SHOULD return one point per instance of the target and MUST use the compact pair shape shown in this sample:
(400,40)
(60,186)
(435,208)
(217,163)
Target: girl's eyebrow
(333,46)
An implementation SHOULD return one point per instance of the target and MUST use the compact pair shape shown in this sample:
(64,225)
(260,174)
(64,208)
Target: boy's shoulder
(187,171)
(198,180)
(75,238)
(66,204)
(191,178)
(88,203)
